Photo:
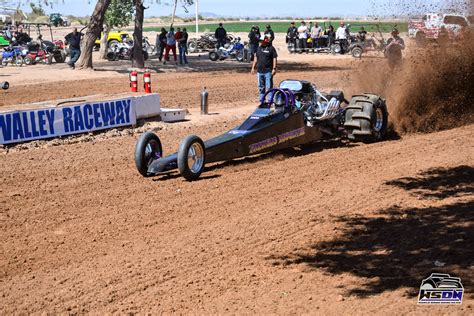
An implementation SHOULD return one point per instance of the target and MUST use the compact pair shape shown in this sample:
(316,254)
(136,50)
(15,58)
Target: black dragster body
(292,115)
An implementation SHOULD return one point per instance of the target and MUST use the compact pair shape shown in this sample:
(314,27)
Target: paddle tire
(147,149)
(366,118)
(191,157)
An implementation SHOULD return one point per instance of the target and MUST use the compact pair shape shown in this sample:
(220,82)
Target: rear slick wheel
(147,149)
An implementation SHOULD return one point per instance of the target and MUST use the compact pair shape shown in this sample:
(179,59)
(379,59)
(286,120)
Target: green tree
(138,30)
(118,15)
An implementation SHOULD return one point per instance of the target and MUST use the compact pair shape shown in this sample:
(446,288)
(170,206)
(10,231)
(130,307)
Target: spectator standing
(183,47)
(74,41)
(161,43)
(331,35)
(291,37)
(23,38)
(362,34)
(269,34)
(266,64)
(254,38)
(302,37)
(170,45)
(221,36)
(341,33)
(316,32)
(393,51)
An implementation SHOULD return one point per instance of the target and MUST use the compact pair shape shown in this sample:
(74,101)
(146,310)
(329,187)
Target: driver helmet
(280,100)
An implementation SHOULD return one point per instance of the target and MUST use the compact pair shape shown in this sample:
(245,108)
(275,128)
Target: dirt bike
(12,55)
(234,50)
(38,52)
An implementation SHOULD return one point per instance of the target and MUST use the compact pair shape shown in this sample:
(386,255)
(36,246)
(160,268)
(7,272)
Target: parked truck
(430,25)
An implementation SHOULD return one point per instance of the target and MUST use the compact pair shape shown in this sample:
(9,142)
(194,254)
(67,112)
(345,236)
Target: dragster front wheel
(147,149)
(191,157)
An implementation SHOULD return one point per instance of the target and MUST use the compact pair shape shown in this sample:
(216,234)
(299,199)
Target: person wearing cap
(254,38)
(302,37)
(362,34)
(266,64)
(269,34)
(291,36)
(221,36)
(393,51)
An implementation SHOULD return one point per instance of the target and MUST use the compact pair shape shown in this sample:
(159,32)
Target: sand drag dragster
(295,114)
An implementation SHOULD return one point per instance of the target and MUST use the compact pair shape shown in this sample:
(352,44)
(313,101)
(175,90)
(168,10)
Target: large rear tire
(192,46)
(111,56)
(147,149)
(366,118)
(357,52)
(191,157)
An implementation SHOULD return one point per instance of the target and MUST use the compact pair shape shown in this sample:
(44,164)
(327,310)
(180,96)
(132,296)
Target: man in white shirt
(341,33)
(341,36)
(302,37)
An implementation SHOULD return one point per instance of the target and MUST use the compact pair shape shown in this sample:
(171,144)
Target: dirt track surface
(331,228)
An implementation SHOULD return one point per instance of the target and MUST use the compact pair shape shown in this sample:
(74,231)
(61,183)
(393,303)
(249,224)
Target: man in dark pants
(291,36)
(266,63)
(221,36)
(161,43)
(74,41)
(254,38)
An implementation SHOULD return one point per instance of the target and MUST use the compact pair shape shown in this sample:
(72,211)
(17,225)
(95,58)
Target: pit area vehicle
(295,114)
(234,50)
(429,27)
(57,19)
(3,40)
(113,39)
(207,42)
(373,42)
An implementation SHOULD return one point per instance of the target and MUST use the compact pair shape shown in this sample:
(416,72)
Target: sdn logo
(440,288)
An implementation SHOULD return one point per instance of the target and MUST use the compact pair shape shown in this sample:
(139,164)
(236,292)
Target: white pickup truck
(429,27)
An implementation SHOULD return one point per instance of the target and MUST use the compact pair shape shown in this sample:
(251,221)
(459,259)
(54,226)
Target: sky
(258,8)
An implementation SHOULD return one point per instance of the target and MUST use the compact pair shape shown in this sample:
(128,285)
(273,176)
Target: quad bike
(233,50)
(13,56)
(295,114)
(57,49)
(375,42)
